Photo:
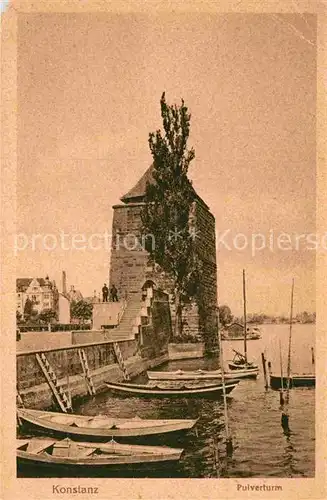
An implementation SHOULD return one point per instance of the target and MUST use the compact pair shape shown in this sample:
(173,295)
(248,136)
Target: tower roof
(137,193)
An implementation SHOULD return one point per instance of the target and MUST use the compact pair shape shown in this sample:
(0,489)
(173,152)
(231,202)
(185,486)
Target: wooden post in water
(285,416)
(229,441)
(312,356)
(281,394)
(244,306)
(290,348)
(264,369)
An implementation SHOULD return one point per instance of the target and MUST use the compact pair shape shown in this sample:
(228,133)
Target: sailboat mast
(244,305)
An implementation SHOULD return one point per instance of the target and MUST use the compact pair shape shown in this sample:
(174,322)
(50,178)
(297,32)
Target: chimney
(64,283)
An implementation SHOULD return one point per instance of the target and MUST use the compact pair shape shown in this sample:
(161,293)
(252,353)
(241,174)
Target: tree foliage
(168,205)
(225,315)
(28,308)
(47,315)
(81,310)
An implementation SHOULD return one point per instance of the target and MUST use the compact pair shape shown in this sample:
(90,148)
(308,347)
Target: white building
(41,291)
(44,295)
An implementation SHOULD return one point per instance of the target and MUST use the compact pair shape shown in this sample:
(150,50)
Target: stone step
(124,332)
(125,328)
(122,336)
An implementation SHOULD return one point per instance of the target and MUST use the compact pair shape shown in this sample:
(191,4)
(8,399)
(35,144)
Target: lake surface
(261,449)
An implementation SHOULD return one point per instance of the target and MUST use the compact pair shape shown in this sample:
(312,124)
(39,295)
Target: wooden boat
(236,332)
(239,363)
(254,333)
(201,391)
(296,380)
(201,374)
(78,455)
(100,426)
(241,337)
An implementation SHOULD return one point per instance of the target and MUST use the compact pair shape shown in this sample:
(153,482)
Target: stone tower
(130,269)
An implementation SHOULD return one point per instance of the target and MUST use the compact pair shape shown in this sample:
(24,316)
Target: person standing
(105,292)
(114,293)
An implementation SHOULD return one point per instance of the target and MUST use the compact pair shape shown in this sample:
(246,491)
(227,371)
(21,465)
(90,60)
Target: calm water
(260,447)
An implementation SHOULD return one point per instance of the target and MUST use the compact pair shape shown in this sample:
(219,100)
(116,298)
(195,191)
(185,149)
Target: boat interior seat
(22,444)
(36,447)
(71,449)
(61,419)
(102,423)
(79,423)
(133,424)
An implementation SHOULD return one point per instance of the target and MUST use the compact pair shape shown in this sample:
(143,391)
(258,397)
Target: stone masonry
(130,269)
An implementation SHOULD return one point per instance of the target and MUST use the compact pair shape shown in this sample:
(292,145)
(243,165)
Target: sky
(89,87)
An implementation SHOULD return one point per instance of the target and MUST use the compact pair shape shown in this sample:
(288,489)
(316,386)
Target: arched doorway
(149,284)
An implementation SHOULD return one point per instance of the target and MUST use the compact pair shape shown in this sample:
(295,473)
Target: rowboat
(295,381)
(250,336)
(240,364)
(201,374)
(70,454)
(229,333)
(163,391)
(100,426)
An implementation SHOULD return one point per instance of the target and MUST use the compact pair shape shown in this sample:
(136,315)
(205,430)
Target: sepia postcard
(163,249)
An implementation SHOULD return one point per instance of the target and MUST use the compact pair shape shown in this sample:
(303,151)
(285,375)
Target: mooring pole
(312,356)
(281,394)
(264,369)
(285,416)
(244,307)
(229,441)
(290,347)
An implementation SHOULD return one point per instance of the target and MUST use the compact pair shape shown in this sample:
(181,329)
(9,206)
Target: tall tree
(168,204)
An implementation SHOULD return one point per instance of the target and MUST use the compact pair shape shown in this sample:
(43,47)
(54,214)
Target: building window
(19,295)
(46,296)
(35,289)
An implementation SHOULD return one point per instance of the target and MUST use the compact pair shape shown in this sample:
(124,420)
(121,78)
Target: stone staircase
(130,321)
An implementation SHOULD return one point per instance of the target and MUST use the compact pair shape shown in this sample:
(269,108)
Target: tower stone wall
(130,268)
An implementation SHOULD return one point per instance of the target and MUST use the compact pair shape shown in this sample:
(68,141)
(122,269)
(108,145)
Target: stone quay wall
(36,392)
(149,348)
